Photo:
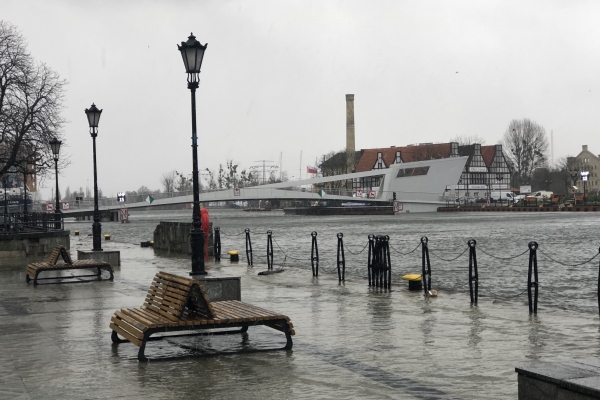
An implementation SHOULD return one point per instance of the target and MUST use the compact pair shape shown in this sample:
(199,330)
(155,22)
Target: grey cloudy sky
(275,75)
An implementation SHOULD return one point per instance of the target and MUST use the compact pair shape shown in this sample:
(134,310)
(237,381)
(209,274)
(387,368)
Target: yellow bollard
(107,236)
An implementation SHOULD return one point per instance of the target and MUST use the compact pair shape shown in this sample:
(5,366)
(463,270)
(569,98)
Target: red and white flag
(311,170)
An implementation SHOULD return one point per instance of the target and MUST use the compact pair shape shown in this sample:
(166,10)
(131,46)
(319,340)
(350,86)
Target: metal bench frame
(194,315)
(34,269)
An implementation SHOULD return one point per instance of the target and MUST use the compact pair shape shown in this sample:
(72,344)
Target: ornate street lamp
(499,178)
(93,115)
(24,164)
(55,145)
(574,175)
(192,53)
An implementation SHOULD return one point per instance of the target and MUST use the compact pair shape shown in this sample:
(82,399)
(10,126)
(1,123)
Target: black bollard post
(269,250)
(599,283)
(386,256)
(370,259)
(314,255)
(341,259)
(379,262)
(532,284)
(473,276)
(426,270)
(217,244)
(248,247)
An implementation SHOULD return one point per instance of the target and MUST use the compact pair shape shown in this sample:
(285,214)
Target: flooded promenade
(351,341)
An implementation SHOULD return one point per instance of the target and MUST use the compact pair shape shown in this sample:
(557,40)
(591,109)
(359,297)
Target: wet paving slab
(351,340)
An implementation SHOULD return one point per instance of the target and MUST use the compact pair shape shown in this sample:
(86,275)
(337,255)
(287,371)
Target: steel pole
(57,212)
(196,233)
(96,226)
(25,188)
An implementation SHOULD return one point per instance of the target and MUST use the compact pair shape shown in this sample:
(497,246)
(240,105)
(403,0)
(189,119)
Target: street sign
(372,194)
(66,205)
(398,207)
(359,193)
(49,206)
(123,214)
(236,191)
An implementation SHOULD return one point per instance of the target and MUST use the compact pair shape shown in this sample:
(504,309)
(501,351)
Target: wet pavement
(351,341)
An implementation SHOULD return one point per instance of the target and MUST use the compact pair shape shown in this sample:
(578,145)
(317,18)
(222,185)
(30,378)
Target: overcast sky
(275,75)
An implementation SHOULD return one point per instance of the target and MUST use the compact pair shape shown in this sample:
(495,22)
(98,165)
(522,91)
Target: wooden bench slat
(132,321)
(127,327)
(126,335)
(175,303)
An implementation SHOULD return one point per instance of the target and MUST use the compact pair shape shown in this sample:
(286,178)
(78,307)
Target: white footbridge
(418,186)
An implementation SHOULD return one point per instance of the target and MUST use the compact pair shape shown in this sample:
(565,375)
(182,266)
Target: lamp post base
(96,236)
(197,245)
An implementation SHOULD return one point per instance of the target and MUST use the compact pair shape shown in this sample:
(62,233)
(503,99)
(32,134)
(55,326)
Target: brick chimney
(350,141)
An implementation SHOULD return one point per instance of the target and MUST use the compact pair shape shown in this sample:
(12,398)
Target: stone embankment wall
(174,237)
(21,249)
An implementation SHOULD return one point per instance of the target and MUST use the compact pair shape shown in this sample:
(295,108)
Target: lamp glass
(55,145)
(192,53)
(93,115)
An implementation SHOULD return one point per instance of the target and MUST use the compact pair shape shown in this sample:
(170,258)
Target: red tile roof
(408,154)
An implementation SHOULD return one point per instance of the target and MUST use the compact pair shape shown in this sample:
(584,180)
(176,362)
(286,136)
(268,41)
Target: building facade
(586,161)
(486,170)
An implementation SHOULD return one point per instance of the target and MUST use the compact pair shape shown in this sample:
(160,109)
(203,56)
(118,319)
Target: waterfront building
(587,161)
(487,168)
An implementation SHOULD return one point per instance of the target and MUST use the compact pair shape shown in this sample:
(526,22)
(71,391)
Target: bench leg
(115,338)
(244,329)
(288,337)
(110,271)
(27,278)
(141,356)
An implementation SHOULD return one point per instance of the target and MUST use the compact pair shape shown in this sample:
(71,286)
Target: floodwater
(351,341)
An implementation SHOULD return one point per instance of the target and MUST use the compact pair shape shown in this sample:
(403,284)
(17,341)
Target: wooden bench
(53,264)
(175,303)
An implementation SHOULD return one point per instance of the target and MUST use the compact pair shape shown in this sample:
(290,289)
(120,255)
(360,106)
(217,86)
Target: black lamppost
(93,115)
(55,145)
(574,174)
(459,184)
(24,167)
(192,53)
(5,181)
(499,178)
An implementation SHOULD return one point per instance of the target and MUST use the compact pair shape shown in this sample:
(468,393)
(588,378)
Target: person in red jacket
(206,228)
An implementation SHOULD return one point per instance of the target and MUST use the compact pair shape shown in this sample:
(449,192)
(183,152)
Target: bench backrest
(176,297)
(60,251)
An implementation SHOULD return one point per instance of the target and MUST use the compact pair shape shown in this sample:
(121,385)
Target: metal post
(196,234)
(532,273)
(25,196)
(314,255)
(96,226)
(473,275)
(5,206)
(371,260)
(426,266)
(57,212)
(269,250)
(248,247)
(341,258)
(217,244)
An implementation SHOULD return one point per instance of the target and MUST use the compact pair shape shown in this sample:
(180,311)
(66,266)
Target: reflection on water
(476,327)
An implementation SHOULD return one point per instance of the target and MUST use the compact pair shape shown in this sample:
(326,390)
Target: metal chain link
(443,259)
(565,264)
(405,254)
(502,258)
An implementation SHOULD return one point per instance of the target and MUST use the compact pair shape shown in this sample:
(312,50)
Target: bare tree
(526,144)
(31,97)
(465,140)
(168,181)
